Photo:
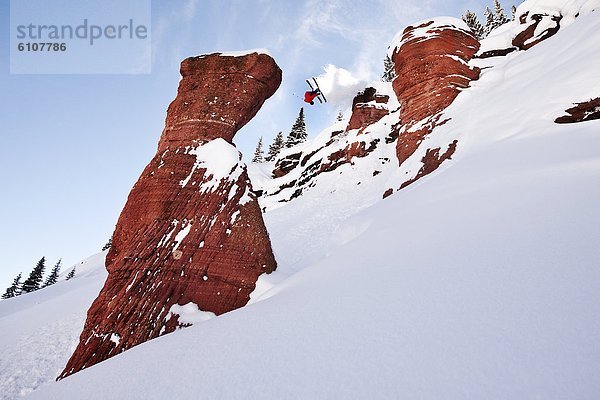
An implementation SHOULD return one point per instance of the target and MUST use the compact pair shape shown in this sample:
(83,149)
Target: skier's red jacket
(310,96)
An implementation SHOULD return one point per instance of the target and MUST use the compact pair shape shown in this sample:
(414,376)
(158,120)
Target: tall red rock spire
(431,62)
(191,239)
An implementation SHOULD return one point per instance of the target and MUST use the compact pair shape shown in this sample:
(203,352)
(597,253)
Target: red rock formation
(586,111)
(531,34)
(535,21)
(431,161)
(347,154)
(368,107)
(191,236)
(431,64)
(284,165)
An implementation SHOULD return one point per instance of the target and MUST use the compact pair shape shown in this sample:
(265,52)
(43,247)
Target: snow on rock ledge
(220,159)
(188,314)
(240,53)
(426,30)
(191,231)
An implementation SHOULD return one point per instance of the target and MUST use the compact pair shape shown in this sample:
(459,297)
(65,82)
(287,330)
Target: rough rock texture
(431,161)
(191,239)
(220,95)
(368,107)
(532,34)
(586,111)
(431,64)
(286,164)
(353,150)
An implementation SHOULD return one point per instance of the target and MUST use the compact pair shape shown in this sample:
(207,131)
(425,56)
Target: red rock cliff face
(191,239)
(431,64)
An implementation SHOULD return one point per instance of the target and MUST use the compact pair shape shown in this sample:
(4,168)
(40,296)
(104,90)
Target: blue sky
(72,146)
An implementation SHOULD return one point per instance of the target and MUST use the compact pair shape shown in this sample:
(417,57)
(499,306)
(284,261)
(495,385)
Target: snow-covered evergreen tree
(499,17)
(71,274)
(258,152)
(108,244)
(298,133)
(36,276)
(489,21)
(340,116)
(275,147)
(389,74)
(53,276)
(14,289)
(513,11)
(472,22)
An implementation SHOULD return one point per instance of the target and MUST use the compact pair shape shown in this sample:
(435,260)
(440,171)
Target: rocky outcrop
(535,21)
(586,111)
(285,164)
(526,31)
(533,33)
(431,161)
(358,149)
(191,241)
(368,107)
(431,62)
(217,96)
(346,142)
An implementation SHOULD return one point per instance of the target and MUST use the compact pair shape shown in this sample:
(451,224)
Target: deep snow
(40,330)
(478,281)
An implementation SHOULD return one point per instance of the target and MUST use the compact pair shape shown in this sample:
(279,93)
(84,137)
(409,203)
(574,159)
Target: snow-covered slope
(478,281)
(40,330)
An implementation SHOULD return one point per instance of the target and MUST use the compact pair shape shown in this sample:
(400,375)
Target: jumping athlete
(310,95)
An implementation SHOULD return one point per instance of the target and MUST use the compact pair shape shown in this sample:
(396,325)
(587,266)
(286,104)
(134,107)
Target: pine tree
(36,276)
(499,17)
(389,73)
(473,23)
(513,11)
(489,21)
(108,244)
(298,133)
(14,289)
(340,116)
(53,277)
(71,274)
(275,147)
(258,153)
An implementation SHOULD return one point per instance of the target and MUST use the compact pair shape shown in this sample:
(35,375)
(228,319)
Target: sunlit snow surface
(41,330)
(479,281)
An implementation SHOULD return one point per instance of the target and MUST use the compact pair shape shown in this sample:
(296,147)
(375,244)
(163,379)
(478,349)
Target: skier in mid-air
(309,96)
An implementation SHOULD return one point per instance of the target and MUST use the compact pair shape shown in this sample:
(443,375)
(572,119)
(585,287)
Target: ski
(311,88)
(320,91)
